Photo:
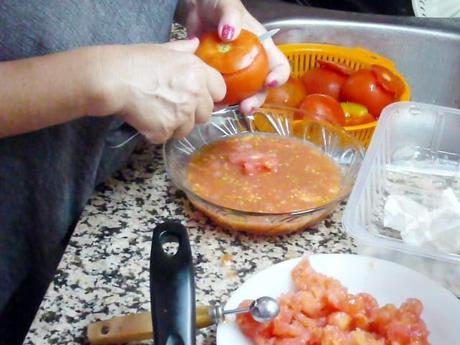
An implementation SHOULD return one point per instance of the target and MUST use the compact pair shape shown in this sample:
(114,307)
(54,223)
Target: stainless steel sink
(426,53)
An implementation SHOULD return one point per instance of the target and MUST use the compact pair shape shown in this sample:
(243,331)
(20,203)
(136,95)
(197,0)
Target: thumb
(187,46)
(229,26)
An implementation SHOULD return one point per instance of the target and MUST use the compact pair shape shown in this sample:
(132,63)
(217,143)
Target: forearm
(44,91)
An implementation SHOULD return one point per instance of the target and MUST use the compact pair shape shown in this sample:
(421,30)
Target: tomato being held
(243,63)
(323,107)
(375,88)
(326,79)
(289,94)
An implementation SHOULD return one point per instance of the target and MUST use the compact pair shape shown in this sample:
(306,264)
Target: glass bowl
(331,140)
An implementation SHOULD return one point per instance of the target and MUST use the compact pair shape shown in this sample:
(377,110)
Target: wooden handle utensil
(137,327)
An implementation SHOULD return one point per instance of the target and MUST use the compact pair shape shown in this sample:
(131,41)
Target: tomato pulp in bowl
(263,173)
(268,182)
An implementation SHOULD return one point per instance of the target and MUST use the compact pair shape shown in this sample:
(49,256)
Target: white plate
(386,281)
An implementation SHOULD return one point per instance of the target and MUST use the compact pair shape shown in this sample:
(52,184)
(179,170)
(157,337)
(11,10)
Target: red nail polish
(228,32)
(273,83)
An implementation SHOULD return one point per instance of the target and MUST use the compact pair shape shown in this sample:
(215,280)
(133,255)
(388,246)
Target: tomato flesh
(322,312)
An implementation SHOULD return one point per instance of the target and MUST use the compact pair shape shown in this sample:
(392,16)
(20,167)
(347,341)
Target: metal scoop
(263,309)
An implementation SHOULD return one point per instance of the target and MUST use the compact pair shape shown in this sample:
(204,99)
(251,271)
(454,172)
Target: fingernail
(227,32)
(273,83)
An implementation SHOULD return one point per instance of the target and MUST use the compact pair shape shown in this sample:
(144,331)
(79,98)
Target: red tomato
(323,107)
(388,80)
(374,88)
(326,79)
(242,62)
(289,94)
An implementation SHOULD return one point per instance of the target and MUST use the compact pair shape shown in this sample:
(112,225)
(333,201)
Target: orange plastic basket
(304,56)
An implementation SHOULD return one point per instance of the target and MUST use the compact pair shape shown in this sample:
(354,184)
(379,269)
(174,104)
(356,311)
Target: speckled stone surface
(105,269)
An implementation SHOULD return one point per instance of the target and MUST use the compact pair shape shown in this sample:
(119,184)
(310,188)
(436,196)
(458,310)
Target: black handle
(172,287)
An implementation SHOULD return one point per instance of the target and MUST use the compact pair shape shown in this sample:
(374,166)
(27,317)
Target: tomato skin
(289,94)
(243,63)
(363,87)
(323,107)
(388,80)
(247,82)
(326,79)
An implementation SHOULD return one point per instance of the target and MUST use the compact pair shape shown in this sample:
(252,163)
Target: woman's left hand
(229,17)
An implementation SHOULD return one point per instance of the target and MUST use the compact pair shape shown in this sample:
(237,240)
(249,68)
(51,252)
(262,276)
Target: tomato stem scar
(224,48)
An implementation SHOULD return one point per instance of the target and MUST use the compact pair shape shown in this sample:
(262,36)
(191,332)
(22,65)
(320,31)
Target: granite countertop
(105,268)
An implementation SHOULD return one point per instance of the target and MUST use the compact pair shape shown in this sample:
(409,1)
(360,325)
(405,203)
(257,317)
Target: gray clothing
(47,176)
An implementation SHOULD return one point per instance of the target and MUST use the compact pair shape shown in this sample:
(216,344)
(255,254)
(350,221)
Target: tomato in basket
(289,94)
(322,107)
(243,63)
(374,87)
(326,79)
(356,114)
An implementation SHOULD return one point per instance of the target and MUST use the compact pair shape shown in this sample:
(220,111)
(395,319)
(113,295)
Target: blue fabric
(47,176)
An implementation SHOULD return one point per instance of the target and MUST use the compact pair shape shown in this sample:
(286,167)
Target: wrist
(101,93)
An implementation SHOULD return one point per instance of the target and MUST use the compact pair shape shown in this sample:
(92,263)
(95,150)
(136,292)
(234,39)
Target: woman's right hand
(162,90)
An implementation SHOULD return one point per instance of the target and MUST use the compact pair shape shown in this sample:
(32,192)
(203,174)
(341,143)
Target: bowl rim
(342,196)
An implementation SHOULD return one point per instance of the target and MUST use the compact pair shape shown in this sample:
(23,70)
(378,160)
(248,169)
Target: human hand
(228,17)
(162,90)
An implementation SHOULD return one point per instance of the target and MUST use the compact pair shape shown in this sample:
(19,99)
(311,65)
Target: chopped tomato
(412,306)
(340,319)
(251,327)
(253,162)
(332,316)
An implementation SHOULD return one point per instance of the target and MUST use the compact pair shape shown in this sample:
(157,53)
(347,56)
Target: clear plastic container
(415,151)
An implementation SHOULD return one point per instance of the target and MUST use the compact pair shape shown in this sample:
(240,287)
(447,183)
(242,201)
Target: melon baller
(172,291)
